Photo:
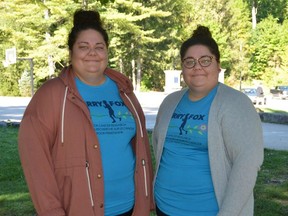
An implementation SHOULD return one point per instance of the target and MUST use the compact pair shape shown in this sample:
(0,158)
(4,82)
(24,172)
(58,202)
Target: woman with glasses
(207,140)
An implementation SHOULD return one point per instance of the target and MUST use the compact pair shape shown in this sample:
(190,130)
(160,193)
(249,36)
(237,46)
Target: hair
(201,36)
(84,20)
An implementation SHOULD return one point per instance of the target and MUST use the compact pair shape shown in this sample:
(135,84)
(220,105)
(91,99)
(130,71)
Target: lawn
(271,191)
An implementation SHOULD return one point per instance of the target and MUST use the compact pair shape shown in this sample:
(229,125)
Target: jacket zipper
(89,184)
(143,161)
(145,177)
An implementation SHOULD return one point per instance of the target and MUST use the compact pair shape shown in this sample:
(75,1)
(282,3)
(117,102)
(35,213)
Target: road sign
(11,56)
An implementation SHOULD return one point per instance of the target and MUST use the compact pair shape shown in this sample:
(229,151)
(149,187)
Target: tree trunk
(50,61)
(138,78)
(85,4)
(133,74)
(254,13)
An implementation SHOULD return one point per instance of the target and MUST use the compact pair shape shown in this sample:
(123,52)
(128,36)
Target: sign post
(11,58)
(11,55)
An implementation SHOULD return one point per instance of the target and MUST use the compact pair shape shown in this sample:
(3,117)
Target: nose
(92,51)
(197,65)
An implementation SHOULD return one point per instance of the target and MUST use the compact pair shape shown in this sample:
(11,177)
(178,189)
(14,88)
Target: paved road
(275,135)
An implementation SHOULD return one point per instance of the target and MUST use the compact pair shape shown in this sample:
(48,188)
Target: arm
(242,134)
(35,146)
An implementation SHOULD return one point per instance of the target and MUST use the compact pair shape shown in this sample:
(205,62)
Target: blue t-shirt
(184,184)
(115,127)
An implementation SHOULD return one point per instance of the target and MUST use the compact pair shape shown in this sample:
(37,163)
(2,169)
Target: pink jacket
(60,152)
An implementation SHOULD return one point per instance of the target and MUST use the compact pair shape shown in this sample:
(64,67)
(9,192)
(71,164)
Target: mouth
(92,61)
(198,75)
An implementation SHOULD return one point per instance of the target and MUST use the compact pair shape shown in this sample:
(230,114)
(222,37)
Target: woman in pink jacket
(82,141)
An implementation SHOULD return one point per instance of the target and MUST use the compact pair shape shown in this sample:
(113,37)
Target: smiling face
(89,57)
(200,80)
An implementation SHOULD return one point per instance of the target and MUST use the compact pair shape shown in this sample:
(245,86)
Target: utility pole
(241,59)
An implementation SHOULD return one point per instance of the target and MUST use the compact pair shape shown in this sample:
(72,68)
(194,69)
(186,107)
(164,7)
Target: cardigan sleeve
(243,139)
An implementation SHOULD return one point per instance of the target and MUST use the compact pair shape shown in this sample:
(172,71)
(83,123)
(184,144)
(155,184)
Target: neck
(195,96)
(92,80)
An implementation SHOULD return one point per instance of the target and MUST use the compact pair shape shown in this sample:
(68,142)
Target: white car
(280,92)
(252,94)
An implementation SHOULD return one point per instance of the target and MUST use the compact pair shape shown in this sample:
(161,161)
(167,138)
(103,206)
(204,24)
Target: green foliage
(9,81)
(276,8)
(25,84)
(269,44)
(145,37)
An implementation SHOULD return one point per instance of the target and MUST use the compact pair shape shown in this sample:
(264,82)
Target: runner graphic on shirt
(182,126)
(111,111)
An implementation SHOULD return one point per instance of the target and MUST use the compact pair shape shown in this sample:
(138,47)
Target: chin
(94,70)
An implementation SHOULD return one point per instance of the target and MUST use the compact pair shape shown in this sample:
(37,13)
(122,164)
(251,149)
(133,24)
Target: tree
(261,9)
(228,20)
(269,47)
(25,84)
(129,25)
(145,37)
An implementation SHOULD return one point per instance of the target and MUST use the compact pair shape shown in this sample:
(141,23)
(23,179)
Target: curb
(275,118)
(9,124)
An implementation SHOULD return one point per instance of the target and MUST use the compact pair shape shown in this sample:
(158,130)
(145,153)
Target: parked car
(280,92)
(256,98)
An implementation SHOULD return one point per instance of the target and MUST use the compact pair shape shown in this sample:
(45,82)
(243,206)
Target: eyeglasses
(204,61)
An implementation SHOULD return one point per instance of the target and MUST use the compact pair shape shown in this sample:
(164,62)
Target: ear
(219,67)
(70,55)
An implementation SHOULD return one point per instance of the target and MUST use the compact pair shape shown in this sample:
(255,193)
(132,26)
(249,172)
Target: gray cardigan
(235,147)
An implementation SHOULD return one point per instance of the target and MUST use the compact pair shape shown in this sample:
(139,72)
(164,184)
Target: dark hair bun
(82,17)
(201,31)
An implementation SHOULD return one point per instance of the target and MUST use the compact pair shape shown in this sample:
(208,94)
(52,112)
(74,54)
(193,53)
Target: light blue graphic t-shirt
(184,184)
(115,127)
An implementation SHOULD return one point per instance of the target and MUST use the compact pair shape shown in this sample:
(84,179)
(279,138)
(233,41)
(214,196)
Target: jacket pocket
(67,189)
(71,175)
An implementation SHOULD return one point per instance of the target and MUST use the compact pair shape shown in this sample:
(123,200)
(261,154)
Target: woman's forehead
(198,50)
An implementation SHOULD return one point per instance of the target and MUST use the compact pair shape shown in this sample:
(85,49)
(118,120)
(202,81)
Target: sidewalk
(150,102)
(12,108)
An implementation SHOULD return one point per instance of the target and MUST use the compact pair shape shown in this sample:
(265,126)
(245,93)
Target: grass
(271,191)
(269,110)
(14,196)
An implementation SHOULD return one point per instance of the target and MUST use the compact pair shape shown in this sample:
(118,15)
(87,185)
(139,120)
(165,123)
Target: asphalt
(275,135)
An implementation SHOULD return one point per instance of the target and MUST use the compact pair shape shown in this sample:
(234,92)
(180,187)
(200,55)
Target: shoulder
(231,95)
(172,100)
(174,97)
(227,90)
(176,94)
(121,79)
(233,104)
(52,86)
(48,95)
